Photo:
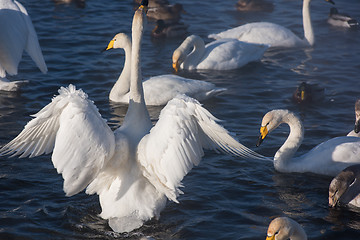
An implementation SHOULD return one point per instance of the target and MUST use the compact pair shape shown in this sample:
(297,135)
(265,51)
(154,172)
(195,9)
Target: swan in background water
(341,20)
(285,228)
(17,34)
(273,34)
(254,5)
(158,90)
(138,166)
(223,54)
(356,131)
(328,158)
(345,187)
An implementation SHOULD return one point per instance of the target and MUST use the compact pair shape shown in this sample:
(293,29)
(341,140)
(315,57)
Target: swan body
(158,90)
(135,168)
(282,228)
(327,158)
(341,20)
(356,131)
(273,34)
(345,187)
(17,35)
(223,54)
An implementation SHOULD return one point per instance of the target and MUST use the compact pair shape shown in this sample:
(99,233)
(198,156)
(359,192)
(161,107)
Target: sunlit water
(225,197)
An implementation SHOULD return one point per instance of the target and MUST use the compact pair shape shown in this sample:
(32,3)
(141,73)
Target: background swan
(345,187)
(158,90)
(17,34)
(136,167)
(223,54)
(341,20)
(273,34)
(356,131)
(328,158)
(285,228)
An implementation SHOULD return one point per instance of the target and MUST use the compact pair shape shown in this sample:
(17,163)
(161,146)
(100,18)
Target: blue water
(225,197)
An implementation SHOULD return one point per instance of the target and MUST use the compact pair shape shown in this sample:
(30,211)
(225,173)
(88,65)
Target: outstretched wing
(175,144)
(72,127)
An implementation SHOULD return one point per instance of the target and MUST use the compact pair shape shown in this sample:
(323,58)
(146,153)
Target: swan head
(121,40)
(357,116)
(344,188)
(283,228)
(177,58)
(270,121)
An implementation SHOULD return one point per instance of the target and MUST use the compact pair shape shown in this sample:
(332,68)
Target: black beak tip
(259,141)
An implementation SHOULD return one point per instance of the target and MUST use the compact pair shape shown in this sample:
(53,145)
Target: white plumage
(223,54)
(273,34)
(17,34)
(158,90)
(327,158)
(136,167)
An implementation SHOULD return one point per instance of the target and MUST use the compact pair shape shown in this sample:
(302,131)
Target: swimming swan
(223,54)
(17,34)
(138,166)
(285,228)
(345,187)
(356,131)
(328,158)
(158,90)
(273,34)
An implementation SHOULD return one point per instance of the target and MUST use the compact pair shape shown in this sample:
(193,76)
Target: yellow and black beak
(263,134)
(176,66)
(144,5)
(109,46)
(270,237)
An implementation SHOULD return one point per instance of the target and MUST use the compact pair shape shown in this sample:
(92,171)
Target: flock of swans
(137,167)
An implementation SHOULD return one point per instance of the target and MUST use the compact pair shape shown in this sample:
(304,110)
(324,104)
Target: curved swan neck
(292,143)
(122,85)
(198,49)
(308,29)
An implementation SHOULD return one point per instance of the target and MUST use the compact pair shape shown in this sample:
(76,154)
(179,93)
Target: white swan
(285,228)
(223,54)
(16,34)
(158,90)
(328,158)
(345,187)
(136,167)
(356,131)
(273,34)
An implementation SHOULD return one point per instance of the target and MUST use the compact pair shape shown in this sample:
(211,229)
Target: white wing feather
(175,144)
(73,128)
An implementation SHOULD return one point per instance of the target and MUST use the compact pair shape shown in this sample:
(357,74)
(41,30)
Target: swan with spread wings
(136,168)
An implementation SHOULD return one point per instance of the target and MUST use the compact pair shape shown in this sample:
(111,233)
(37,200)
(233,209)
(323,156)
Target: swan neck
(308,29)
(136,89)
(286,152)
(122,85)
(195,56)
